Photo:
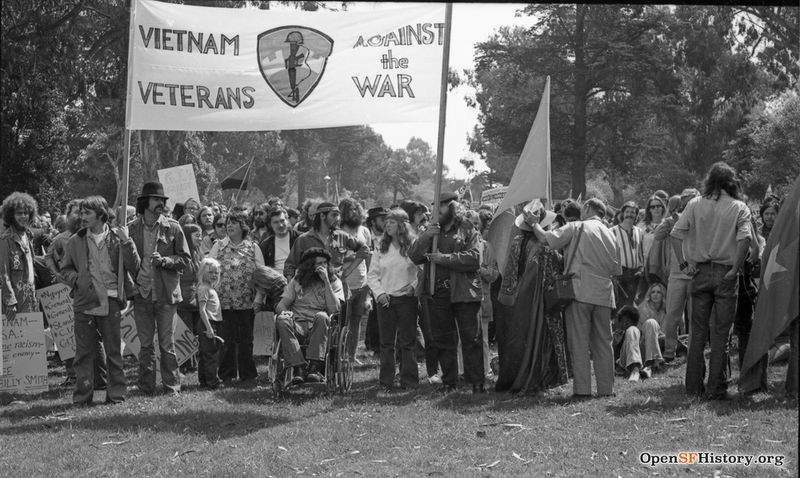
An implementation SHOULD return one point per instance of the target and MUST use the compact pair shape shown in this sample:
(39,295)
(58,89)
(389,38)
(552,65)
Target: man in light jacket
(91,267)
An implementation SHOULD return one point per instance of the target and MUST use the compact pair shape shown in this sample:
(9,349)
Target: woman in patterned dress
(534,355)
(238,257)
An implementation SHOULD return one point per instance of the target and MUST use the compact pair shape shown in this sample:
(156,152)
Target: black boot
(315,371)
(297,375)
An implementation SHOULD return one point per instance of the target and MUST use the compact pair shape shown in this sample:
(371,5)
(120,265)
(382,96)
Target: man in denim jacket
(164,255)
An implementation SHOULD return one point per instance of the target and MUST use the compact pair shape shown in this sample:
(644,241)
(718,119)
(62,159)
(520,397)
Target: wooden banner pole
(122,216)
(448,15)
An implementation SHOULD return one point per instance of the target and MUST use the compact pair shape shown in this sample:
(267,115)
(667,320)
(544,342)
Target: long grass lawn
(240,431)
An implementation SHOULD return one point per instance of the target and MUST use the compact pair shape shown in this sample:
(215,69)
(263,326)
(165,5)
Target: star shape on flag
(773,267)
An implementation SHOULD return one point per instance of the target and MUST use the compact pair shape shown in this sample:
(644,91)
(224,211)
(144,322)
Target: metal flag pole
(122,217)
(448,21)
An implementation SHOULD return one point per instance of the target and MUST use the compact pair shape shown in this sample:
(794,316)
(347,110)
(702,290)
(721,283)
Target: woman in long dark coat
(535,355)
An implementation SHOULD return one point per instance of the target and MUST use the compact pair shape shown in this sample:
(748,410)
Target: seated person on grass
(637,339)
(312,296)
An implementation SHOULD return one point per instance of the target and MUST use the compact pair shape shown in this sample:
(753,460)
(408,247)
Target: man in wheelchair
(304,312)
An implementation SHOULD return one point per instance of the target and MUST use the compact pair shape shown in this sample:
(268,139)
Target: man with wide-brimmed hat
(376,219)
(164,255)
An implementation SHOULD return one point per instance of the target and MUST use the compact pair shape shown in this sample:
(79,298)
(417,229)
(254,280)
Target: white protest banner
(24,354)
(244,69)
(494,197)
(263,333)
(179,183)
(57,305)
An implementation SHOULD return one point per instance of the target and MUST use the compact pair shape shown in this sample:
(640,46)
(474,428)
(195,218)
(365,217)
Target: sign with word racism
(179,183)
(186,344)
(24,354)
(242,69)
(494,197)
(57,305)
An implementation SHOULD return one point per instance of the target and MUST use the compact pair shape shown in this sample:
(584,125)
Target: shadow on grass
(212,425)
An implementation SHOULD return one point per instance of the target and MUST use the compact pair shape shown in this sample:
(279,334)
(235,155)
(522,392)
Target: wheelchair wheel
(344,363)
(330,372)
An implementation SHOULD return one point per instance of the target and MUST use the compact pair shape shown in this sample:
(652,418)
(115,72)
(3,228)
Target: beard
(352,222)
(379,228)
(259,223)
(446,218)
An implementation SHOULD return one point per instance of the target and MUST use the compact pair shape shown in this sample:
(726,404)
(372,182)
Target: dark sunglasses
(220,224)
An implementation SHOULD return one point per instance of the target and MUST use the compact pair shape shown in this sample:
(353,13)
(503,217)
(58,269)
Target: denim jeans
(678,293)
(151,317)
(709,290)
(86,330)
(356,309)
(398,327)
(312,330)
(449,321)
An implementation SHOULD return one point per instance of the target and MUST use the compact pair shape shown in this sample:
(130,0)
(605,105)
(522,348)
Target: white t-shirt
(281,252)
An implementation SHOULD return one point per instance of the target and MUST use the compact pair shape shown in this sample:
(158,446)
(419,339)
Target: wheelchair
(338,365)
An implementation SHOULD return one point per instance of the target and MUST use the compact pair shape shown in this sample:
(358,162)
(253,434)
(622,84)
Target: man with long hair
(325,233)
(312,296)
(164,255)
(456,299)
(716,230)
(356,281)
(90,267)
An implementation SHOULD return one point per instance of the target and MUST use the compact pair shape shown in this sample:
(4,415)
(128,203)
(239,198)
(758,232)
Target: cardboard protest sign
(186,344)
(239,69)
(57,305)
(24,354)
(263,333)
(179,183)
(129,335)
(494,197)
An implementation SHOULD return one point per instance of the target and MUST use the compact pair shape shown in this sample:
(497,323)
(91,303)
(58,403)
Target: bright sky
(472,23)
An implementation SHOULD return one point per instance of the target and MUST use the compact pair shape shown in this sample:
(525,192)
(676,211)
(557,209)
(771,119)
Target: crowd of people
(639,282)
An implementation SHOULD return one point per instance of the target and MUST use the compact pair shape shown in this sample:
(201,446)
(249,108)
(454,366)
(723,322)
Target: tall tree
(591,52)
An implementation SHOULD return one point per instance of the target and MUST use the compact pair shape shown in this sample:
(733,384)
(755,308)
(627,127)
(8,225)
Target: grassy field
(240,431)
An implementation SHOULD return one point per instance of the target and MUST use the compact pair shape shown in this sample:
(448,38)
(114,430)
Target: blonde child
(208,276)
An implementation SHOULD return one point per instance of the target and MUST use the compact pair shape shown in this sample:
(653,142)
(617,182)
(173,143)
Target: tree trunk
(579,127)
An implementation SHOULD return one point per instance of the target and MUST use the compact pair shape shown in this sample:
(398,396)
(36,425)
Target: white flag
(245,69)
